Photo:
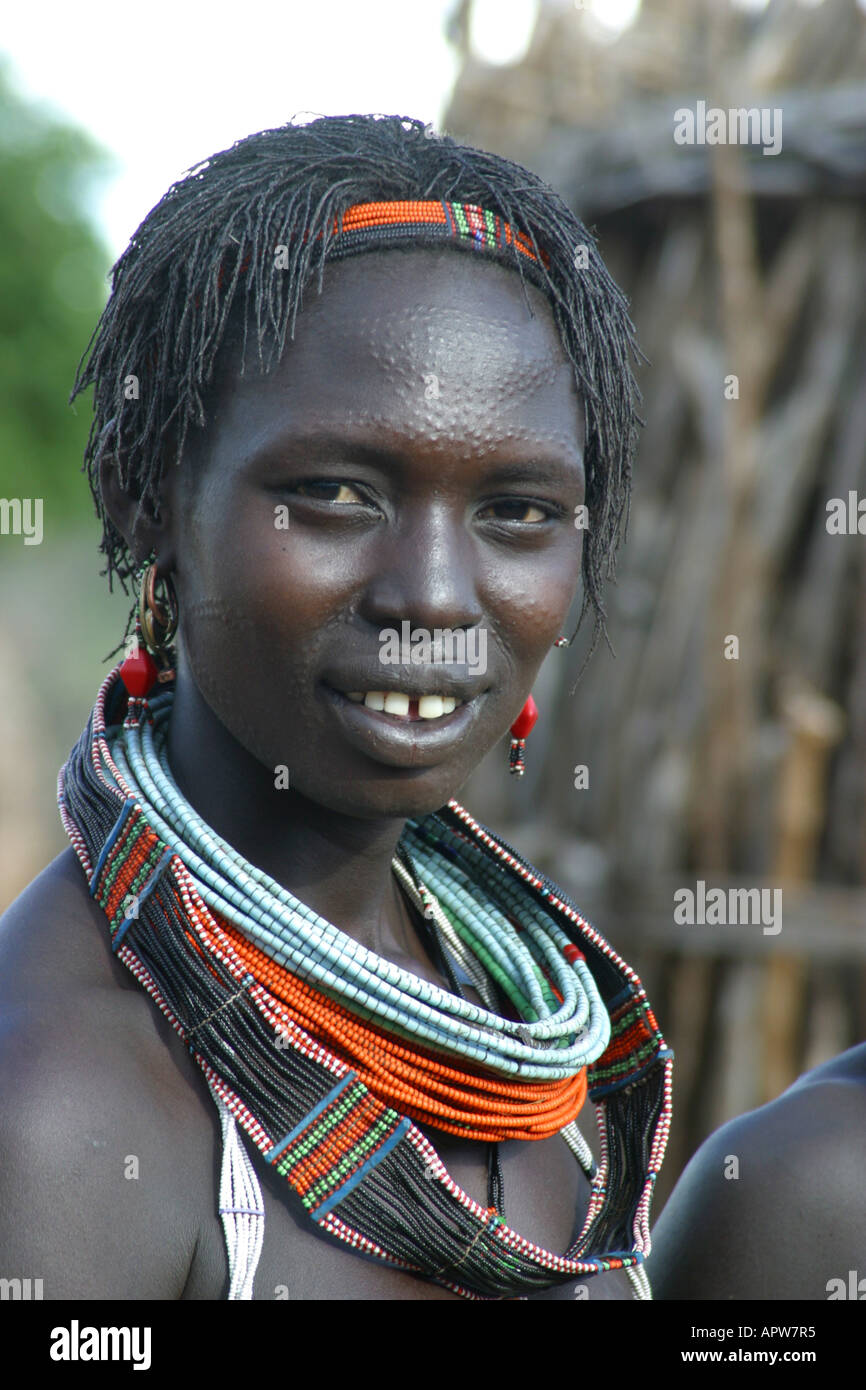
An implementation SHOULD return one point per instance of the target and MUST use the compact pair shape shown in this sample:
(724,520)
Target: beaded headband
(465,224)
(377,226)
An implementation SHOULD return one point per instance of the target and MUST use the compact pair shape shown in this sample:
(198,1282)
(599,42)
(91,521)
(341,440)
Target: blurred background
(746,278)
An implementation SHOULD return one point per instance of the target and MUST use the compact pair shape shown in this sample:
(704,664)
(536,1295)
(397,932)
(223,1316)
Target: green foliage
(53,286)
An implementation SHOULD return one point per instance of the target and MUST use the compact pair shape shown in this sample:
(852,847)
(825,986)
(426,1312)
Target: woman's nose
(425,572)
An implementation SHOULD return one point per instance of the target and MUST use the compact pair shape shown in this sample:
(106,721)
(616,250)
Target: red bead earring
(520,730)
(155,628)
(139,671)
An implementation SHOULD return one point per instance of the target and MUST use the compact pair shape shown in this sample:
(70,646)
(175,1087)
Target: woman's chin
(399,795)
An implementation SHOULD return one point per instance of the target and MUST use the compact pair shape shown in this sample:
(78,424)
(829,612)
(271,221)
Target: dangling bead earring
(155,627)
(523,726)
(520,730)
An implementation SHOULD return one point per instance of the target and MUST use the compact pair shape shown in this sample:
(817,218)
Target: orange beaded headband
(403,220)
(367,225)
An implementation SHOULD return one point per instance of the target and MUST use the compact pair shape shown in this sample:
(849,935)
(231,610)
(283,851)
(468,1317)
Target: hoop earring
(520,730)
(155,628)
(157,618)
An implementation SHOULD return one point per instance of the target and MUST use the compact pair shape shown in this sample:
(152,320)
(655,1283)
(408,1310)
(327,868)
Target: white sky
(164,84)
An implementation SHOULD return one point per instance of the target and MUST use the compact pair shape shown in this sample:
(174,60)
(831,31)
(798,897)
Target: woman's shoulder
(95,1114)
(772,1204)
(58,976)
(50,935)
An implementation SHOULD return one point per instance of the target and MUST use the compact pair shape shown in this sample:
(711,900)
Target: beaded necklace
(459,1101)
(322,1051)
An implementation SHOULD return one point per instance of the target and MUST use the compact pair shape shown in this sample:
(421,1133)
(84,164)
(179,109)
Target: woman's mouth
(404,729)
(403,705)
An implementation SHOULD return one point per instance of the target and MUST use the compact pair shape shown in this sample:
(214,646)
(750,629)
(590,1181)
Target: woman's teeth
(396,702)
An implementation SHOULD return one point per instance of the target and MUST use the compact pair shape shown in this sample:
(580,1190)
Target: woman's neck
(339,865)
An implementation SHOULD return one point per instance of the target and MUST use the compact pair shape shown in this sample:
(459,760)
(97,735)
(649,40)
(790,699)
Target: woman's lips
(402,740)
(398,703)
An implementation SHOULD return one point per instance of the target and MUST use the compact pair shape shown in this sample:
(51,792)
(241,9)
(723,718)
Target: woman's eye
(517,510)
(324,490)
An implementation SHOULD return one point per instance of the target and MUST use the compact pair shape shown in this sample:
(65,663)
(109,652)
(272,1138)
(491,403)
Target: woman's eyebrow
(318,445)
(537,470)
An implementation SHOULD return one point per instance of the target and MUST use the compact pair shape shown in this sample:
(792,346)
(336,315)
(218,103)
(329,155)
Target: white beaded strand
(242,1207)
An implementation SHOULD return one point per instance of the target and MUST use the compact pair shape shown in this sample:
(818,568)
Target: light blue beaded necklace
(495,916)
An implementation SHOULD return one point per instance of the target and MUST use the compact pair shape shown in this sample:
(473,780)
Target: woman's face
(415,459)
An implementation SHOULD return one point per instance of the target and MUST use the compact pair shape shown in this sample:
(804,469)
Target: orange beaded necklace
(472,1103)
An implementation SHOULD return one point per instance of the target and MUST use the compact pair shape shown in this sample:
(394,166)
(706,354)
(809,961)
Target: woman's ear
(145,528)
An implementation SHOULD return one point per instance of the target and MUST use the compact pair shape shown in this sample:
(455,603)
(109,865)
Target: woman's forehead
(400,296)
(429,341)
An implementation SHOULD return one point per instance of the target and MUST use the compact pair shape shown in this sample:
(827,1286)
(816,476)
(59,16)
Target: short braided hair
(182,280)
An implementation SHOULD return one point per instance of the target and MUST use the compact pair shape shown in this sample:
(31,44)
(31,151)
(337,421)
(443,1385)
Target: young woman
(364,415)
